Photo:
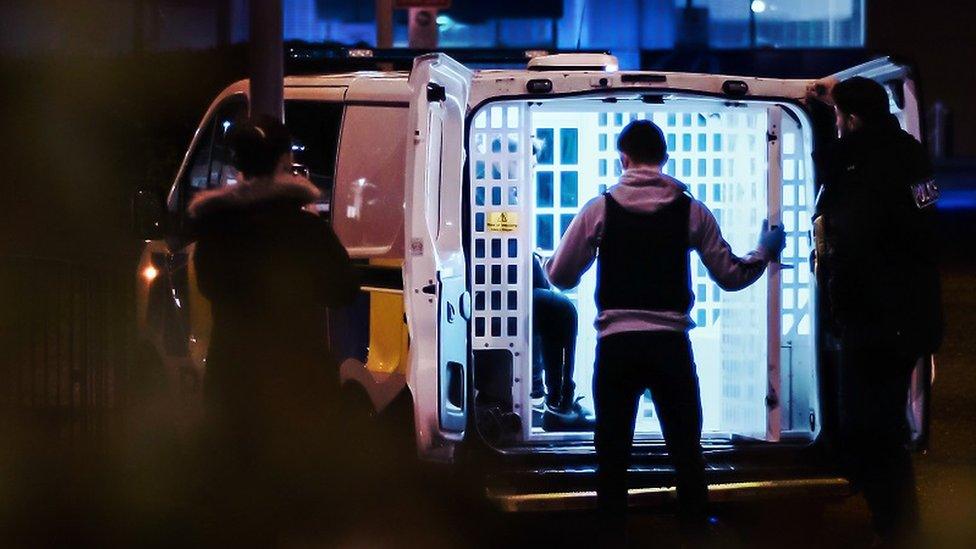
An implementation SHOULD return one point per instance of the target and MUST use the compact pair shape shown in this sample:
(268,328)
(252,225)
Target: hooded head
(260,149)
(260,146)
(860,103)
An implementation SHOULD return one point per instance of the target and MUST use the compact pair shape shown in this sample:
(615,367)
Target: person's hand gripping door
(772,240)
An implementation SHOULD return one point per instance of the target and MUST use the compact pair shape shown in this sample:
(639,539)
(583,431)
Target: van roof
(343,79)
(489,83)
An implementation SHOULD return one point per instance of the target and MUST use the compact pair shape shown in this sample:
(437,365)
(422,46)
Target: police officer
(640,233)
(877,267)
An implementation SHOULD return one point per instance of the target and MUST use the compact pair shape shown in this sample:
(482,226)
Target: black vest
(643,259)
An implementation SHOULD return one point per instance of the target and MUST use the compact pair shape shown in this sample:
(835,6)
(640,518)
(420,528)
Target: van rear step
(653,497)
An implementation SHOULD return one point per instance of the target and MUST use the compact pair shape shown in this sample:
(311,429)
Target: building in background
(732,36)
(625,27)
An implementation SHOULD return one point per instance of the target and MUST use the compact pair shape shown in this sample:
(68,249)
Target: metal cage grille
(721,153)
(500,259)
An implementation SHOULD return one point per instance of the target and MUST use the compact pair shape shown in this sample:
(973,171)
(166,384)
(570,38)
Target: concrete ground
(146,489)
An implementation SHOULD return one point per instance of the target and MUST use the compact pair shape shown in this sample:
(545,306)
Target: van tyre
(356,422)
(147,380)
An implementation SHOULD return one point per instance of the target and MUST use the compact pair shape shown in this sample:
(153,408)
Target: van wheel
(357,421)
(398,428)
(147,380)
(355,405)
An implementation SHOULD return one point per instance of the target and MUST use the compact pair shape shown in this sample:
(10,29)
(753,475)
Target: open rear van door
(899,80)
(437,302)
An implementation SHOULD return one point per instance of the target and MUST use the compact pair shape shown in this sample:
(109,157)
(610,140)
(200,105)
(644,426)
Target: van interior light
(150,273)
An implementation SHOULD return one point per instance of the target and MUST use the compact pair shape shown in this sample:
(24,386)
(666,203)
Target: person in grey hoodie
(640,234)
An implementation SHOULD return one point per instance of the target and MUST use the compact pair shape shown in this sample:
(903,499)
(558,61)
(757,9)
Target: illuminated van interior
(523,198)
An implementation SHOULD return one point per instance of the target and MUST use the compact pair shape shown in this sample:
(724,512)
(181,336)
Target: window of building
(624,27)
(772,23)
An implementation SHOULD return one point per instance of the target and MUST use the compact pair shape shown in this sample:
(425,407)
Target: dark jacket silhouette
(877,250)
(269,269)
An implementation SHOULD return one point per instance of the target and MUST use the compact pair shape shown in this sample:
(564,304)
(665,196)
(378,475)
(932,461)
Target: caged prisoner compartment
(533,164)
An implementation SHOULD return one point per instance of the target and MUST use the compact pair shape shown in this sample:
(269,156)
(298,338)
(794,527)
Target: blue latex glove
(773,240)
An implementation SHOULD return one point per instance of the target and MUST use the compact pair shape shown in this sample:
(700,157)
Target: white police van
(443,181)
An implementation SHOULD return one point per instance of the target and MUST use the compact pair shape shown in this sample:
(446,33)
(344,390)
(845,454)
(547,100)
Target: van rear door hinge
(436,93)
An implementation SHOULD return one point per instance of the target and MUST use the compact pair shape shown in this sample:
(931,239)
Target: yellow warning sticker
(502,222)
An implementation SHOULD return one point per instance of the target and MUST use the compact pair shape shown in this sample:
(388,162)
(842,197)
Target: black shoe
(573,418)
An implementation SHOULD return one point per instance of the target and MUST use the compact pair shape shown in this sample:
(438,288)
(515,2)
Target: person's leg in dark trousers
(616,390)
(673,381)
(627,364)
(875,433)
(554,321)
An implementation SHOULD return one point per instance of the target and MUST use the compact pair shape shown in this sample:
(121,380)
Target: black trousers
(627,364)
(874,384)
(554,326)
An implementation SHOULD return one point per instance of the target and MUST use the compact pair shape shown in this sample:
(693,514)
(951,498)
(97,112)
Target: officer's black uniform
(877,268)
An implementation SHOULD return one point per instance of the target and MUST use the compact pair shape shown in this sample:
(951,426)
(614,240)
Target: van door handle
(465,304)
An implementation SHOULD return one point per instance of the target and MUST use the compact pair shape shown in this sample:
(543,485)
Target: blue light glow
(957,200)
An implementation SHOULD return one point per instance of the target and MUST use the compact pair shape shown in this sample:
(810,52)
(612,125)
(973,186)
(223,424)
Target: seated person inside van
(554,333)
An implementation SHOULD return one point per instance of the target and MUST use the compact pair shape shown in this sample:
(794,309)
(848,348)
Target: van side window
(209,166)
(314,126)
(198,171)
(221,171)
(367,202)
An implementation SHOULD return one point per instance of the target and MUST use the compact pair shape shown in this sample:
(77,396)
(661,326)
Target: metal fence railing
(66,333)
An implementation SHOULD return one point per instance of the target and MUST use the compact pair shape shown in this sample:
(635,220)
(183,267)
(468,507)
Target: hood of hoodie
(253,193)
(646,190)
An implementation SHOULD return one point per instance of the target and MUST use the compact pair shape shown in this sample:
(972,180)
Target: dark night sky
(940,36)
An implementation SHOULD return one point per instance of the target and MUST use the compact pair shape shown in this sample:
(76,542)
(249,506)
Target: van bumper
(815,488)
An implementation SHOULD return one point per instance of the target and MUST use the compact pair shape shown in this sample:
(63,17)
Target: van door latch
(430,289)
(436,93)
